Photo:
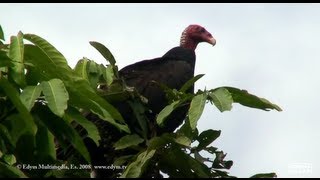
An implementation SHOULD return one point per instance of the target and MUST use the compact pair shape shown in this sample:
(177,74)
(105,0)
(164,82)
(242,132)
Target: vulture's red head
(195,34)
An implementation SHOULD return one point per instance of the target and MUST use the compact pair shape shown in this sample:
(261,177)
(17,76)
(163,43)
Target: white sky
(271,50)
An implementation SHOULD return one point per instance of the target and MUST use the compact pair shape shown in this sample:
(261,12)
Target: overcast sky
(271,50)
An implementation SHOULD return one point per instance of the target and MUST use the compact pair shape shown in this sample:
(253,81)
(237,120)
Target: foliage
(43,101)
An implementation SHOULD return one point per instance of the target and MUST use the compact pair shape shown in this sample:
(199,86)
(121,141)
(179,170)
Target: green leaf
(190,82)
(92,68)
(159,142)
(1,34)
(18,125)
(53,60)
(177,163)
(34,76)
(90,127)
(108,74)
(12,93)
(185,130)
(222,99)
(56,95)
(16,53)
(183,140)
(247,99)
(206,138)
(139,112)
(5,61)
(63,131)
(29,96)
(174,163)
(81,68)
(165,112)
(7,171)
(196,108)
(94,74)
(49,65)
(82,96)
(45,144)
(4,133)
(136,168)
(9,159)
(104,51)
(166,138)
(122,159)
(265,175)
(127,141)
(23,133)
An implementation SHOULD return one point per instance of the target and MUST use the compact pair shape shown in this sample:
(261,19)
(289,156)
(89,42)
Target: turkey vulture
(173,69)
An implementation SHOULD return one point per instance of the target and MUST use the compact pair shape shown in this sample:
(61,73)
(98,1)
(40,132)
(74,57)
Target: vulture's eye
(202,30)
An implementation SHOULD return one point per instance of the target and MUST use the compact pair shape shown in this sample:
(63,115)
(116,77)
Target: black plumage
(173,69)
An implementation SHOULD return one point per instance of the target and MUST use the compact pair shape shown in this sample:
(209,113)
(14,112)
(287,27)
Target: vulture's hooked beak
(212,41)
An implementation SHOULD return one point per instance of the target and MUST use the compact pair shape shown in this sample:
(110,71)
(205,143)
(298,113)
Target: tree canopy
(42,98)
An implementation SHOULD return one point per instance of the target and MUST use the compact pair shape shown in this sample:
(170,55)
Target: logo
(300,168)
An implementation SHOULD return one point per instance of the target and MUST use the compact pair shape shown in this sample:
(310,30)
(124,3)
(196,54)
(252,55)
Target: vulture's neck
(187,42)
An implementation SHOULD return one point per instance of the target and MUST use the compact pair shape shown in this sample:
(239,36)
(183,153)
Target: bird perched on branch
(173,69)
